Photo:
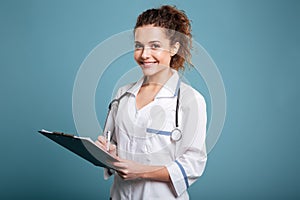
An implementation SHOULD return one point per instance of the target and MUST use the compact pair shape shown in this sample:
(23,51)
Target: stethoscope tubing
(176,133)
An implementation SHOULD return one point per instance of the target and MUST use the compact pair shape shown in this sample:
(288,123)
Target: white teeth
(148,63)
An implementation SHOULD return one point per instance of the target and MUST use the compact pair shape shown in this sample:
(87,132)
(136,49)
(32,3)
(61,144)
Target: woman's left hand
(129,170)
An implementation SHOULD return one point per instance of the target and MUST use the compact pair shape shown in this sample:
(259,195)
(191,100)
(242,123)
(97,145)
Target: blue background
(255,45)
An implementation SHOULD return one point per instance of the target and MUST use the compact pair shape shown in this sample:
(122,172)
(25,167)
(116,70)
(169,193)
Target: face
(152,50)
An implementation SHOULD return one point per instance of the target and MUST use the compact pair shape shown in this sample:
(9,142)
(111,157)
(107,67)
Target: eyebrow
(154,41)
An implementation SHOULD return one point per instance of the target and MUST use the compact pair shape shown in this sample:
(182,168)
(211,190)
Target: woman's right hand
(102,143)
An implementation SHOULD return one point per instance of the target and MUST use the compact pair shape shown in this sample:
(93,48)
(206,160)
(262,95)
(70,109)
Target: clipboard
(83,147)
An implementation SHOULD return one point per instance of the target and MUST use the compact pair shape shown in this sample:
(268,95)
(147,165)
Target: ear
(174,48)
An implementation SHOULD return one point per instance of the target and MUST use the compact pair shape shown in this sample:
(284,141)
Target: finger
(126,177)
(102,139)
(112,147)
(98,143)
(112,153)
(102,146)
(122,175)
(120,166)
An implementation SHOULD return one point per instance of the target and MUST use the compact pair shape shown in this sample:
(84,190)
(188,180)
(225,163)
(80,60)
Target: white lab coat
(144,136)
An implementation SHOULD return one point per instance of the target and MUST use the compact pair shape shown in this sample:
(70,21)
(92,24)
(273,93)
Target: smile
(148,63)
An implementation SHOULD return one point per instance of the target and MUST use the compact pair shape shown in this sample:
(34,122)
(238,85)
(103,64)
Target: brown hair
(178,29)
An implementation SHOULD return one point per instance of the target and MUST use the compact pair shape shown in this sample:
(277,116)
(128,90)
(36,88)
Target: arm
(191,154)
(129,170)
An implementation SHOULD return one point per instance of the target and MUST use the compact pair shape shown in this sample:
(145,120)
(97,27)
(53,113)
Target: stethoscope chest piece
(176,135)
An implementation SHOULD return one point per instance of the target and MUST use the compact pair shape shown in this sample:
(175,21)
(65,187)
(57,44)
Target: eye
(138,46)
(155,46)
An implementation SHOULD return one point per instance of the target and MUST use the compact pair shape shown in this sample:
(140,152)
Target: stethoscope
(176,133)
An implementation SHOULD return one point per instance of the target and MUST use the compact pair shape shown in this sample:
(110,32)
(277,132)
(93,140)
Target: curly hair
(178,29)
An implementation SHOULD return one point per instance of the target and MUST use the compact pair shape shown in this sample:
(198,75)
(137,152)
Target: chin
(148,72)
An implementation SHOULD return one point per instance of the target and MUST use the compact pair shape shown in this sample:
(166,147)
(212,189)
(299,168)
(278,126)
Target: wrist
(146,174)
(150,172)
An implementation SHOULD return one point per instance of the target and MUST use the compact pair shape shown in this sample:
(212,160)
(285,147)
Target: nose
(146,53)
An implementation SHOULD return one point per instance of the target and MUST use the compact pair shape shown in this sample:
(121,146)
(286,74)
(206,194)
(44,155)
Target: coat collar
(170,89)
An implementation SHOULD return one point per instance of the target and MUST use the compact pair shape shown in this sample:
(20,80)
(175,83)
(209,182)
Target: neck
(159,78)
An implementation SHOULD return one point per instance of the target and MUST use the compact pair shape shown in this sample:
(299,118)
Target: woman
(159,123)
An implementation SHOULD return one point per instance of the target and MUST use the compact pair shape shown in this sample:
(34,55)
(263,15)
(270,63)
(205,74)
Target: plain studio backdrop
(255,45)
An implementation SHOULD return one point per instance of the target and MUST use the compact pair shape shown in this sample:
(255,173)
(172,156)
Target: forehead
(150,33)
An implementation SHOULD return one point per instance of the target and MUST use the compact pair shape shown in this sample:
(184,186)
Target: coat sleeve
(191,154)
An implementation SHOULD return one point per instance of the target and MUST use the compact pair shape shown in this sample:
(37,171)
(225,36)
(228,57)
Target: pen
(108,135)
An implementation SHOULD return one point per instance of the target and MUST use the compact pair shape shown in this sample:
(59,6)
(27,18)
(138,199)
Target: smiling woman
(153,53)
(151,163)
(177,30)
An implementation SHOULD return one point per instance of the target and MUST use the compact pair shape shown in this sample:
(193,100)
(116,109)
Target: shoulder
(190,96)
(123,89)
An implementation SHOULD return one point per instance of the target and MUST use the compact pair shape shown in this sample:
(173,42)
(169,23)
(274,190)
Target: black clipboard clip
(64,134)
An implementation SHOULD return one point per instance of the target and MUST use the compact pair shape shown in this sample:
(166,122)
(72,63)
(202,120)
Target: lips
(148,63)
